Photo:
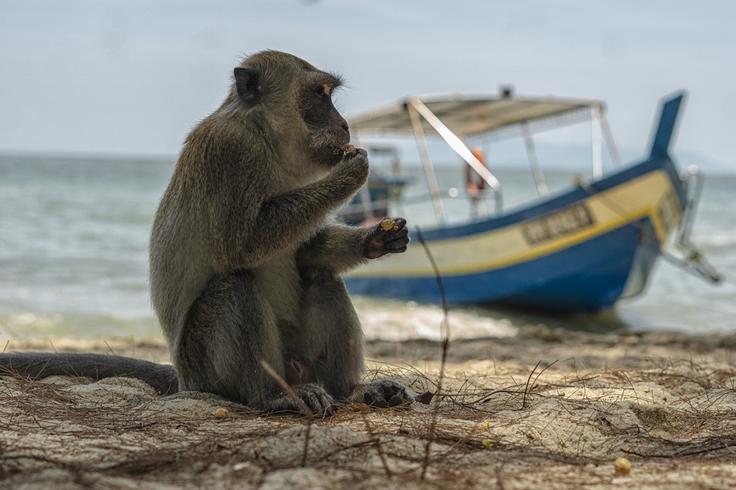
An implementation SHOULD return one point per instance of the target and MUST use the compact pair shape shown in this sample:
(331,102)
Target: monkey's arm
(335,247)
(339,248)
(288,219)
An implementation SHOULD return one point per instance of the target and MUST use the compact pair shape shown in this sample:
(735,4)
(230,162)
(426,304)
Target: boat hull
(577,251)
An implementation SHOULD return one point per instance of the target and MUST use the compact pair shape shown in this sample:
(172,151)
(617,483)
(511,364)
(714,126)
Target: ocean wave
(28,325)
(401,321)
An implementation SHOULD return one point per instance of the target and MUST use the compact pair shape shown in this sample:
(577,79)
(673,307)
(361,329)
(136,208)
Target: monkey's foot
(386,393)
(316,399)
(390,236)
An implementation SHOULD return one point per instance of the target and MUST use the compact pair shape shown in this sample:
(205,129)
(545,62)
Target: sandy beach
(548,408)
(530,206)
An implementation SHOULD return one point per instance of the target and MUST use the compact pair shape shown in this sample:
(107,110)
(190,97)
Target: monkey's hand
(352,171)
(389,236)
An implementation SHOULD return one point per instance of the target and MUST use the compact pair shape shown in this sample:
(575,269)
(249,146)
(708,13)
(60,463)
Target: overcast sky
(133,76)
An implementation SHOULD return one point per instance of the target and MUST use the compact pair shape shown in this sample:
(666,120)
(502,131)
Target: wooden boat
(578,250)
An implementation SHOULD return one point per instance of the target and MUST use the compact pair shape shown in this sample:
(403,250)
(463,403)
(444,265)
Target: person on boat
(474,184)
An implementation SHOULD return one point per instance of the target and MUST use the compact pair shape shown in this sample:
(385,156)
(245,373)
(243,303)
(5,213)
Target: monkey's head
(296,100)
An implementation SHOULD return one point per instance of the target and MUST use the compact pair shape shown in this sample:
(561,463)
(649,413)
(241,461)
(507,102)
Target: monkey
(245,259)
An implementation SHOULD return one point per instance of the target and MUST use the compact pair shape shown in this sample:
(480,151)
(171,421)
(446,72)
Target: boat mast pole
(457,146)
(610,143)
(595,139)
(434,188)
(531,154)
(365,194)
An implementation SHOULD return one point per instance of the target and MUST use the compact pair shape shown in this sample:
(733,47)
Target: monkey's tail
(36,365)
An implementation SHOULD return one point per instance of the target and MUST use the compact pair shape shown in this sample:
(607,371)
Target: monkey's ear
(247,82)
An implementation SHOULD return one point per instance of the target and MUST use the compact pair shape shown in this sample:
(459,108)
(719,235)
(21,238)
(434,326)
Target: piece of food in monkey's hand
(349,152)
(389,235)
(388,224)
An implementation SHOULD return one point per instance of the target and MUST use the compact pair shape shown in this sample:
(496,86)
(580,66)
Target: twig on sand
(529,388)
(677,449)
(445,329)
(109,348)
(526,387)
(377,445)
(292,394)
(499,477)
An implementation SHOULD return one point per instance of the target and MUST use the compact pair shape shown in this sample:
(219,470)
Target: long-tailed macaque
(245,263)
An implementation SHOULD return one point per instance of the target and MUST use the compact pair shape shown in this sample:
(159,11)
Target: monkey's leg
(230,329)
(334,339)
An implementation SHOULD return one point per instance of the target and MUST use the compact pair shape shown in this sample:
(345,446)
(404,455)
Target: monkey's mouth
(330,151)
(333,154)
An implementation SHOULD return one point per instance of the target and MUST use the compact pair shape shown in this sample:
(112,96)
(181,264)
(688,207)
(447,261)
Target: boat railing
(368,206)
(417,108)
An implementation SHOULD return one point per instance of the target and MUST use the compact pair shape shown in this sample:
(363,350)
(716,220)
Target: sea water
(74,238)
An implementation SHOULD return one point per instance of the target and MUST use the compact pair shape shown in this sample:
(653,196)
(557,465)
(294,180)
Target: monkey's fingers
(381,242)
(350,151)
(400,236)
(400,223)
(396,247)
(317,399)
(397,235)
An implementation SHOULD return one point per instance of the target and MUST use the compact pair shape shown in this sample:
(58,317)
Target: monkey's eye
(324,91)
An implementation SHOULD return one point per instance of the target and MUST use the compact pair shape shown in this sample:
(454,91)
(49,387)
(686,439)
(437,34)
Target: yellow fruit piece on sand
(387,224)
(221,412)
(622,466)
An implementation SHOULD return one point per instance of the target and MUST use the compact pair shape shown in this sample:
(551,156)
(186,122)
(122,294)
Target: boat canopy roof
(469,115)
